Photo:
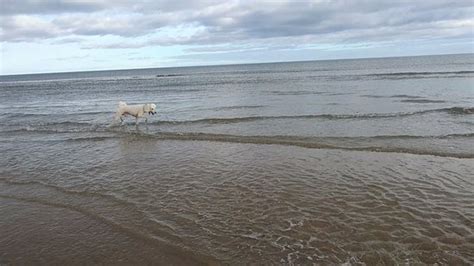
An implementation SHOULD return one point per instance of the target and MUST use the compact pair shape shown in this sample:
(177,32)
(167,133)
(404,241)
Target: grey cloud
(15,7)
(307,19)
(235,22)
(168,41)
(22,7)
(67,40)
(25,28)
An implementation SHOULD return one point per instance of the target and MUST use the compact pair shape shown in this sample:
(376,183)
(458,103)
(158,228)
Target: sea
(349,162)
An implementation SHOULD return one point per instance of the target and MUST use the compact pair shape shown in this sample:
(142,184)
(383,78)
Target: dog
(137,110)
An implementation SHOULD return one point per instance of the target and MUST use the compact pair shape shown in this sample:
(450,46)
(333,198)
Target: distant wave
(236,107)
(274,71)
(424,73)
(299,92)
(187,80)
(421,101)
(404,96)
(407,75)
(457,110)
(169,75)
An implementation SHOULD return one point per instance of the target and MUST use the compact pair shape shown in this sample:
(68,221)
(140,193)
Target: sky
(40,36)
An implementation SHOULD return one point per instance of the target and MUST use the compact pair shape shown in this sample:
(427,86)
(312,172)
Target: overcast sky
(59,35)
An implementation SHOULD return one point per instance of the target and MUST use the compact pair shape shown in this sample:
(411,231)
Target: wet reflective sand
(239,203)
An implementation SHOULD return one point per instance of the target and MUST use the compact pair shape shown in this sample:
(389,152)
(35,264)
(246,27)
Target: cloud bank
(162,23)
(194,29)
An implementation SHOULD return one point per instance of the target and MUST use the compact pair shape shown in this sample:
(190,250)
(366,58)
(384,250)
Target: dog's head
(150,108)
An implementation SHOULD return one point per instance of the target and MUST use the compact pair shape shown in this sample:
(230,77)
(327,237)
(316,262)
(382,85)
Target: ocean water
(326,162)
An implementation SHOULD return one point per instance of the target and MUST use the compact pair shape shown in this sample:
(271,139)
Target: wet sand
(148,201)
(44,233)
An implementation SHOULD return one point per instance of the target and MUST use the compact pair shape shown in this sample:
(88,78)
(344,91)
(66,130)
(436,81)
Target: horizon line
(230,64)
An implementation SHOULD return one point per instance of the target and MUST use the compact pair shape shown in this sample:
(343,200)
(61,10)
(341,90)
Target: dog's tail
(119,112)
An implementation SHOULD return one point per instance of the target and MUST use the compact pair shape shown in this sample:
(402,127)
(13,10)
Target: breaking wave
(229,120)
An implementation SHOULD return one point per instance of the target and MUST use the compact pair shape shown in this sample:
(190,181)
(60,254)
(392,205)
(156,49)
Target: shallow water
(347,161)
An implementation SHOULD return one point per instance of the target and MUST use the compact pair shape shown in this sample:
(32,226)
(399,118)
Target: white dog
(138,111)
